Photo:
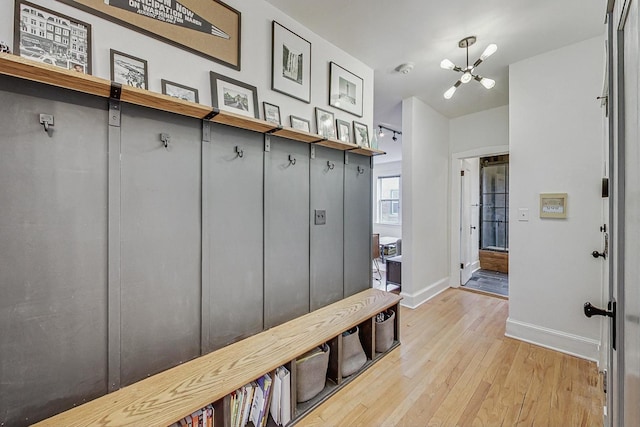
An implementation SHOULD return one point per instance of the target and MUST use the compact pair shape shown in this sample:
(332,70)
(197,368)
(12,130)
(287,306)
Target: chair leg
(377,269)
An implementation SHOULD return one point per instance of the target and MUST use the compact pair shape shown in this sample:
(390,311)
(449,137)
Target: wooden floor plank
(455,367)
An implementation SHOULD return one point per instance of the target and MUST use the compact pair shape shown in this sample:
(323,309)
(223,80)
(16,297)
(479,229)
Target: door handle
(597,254)
(590,310)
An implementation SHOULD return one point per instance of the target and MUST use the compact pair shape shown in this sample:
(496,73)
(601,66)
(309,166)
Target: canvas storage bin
(353,357)
(385,330)
(311,373)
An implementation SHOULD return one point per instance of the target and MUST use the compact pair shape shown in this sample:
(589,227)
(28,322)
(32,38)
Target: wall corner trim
(418,298)
(574,345)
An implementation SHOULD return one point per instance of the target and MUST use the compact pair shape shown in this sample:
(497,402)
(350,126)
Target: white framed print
(291,64)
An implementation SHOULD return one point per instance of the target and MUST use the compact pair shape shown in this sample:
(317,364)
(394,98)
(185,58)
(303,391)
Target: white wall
(472,136)
(172,63)
(556,147)
(386,169)
(425,189)
(487,128)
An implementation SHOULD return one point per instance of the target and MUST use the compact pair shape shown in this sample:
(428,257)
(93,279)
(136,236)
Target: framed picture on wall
(290,64)
(177,90)
(52,38)
(129,70)
(361,134)
(345,90)
(234,96)
(325,123)
(300,123)
(209,28)
(271,113)
(344,130)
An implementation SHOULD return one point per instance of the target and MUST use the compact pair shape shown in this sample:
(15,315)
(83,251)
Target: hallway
(456,367)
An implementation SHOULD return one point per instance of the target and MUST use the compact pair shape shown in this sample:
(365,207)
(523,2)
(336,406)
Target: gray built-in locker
(160,241)
(286,233)
(53,251)
(232,235)
(357,223)
(327,226)
(121,257)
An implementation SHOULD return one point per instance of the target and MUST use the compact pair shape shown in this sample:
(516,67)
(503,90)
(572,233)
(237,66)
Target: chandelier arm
(478,62)
(457,69)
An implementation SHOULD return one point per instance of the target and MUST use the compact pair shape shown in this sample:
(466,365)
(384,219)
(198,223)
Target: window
(494,215)
(389,199)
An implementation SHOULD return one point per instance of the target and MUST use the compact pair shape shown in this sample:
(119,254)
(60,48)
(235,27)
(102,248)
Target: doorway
(484,214)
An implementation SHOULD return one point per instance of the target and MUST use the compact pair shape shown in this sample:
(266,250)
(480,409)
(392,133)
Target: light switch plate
(321,217)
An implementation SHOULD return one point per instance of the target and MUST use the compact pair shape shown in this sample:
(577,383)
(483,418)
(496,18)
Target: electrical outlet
(321,217)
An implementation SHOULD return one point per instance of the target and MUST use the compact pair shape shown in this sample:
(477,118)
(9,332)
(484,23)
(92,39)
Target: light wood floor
(455,367)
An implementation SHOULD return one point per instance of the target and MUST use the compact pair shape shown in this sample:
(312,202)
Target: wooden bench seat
(170,395)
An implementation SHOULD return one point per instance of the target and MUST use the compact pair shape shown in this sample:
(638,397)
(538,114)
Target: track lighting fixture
(468,71)
(395,132)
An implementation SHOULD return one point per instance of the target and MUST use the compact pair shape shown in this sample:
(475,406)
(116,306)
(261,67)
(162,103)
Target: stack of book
(250,403)
(201,418)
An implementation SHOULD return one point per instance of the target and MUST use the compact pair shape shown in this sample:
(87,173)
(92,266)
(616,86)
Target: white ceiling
(384,34)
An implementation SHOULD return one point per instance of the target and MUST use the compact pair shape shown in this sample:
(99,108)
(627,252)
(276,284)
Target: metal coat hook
(330,165)
(360,170)
(292,160)
(239,151)
(166,139)
(46,120)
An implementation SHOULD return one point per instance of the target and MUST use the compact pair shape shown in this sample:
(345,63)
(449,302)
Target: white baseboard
(585,348)
(475,266)
(418,298)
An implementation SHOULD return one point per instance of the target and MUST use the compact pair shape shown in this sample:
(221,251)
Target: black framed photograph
(177,90)
(300,123)
(325,123)
(234,96)
(129,70)
(50,37)
(345,90)
(361,134)
(344,130)
(291,64)
(271,113)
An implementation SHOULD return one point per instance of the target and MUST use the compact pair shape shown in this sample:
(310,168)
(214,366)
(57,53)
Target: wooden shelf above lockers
(22,68)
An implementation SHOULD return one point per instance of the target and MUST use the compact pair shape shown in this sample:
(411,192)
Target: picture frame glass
(345,90)
(52,38)
(179,91)
(300,124)
(211,28)
(234,96)
(343,130)
(361,134)
(325,123)
(271,113)
(128,70)
(291,64)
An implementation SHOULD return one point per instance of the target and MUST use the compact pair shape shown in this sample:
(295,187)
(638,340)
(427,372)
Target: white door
(624,361)
(629,289)
(466,227)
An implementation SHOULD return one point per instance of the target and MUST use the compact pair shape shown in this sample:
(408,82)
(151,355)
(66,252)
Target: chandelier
(468,72)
